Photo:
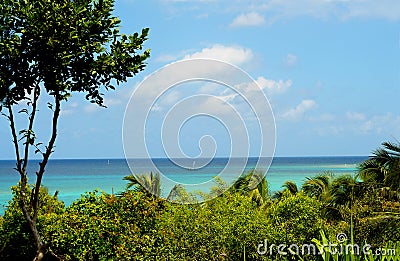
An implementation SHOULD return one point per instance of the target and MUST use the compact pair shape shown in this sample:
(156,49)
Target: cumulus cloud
(378,123)
(355,116)
(91,108)
(231,54)
(236,55)
(166,101)
(300,110)
(273,87)
(361,124)
(341,9)
(69,108)
(290,60)
(254,13)
(249,19)
(188,1)
(166,58)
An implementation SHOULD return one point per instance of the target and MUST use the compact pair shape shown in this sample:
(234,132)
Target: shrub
(17,242)
(99,226)
(224,228)
(296,219)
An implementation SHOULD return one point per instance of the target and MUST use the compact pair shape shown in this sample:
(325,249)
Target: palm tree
(318,186)
(178,194)
(289,186)
(148,183)
(254,185)
(383,167)
(335,193)
(344,189)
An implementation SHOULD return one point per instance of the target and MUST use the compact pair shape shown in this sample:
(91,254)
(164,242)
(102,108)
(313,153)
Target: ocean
(73,177)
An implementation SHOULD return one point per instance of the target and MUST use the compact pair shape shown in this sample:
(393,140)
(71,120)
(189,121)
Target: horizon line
(221,157)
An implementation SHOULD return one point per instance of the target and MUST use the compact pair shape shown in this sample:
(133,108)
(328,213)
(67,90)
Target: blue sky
(330,69)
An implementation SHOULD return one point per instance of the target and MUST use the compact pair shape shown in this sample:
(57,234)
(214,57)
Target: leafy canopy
(65,45)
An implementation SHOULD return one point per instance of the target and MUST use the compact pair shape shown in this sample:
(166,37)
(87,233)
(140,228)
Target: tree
(288,187)
(383,167)
(335,193)
(58,47)
(318,186)
(15,234)
(254,185)
(146,183)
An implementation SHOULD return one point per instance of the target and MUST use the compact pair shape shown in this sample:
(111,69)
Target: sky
(330,70)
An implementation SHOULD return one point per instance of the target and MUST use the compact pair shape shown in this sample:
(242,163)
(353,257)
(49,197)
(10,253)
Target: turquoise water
(74,177)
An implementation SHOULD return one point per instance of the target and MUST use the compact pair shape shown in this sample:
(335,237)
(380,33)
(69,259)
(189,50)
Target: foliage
(59,47)
(105,227)
(254,185)
(383,167)
(216,230)
(66,45)
(135,225)
(296,219)
(335,193)
(16,237)
(148,183)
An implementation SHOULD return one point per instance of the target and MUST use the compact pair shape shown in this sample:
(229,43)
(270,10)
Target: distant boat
(108,162)
(192,168)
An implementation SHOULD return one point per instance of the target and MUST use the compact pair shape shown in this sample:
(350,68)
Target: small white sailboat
(192,168)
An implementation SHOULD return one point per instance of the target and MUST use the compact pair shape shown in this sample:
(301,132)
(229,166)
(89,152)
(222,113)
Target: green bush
(224,228)
(137,226)
(296,219)
(17,242)
(99,226)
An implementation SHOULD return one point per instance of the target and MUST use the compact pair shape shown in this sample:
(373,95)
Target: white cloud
(228,53)
(273,87)
(300,110)
(385,125)
(188,1)
(166,101)
(377,123)
(330,130)
(156,108)
(69,108)
(366,126)
(323,118)
(249,19)
(341,9)
(253,13)
(290,60)
(388,9)
(172,98)
(166,58)
(231,54)
(355,116)
(91,108)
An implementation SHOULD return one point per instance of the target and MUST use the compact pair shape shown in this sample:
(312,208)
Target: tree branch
(23,183)
(46,155)
(36,93)
(14,135)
